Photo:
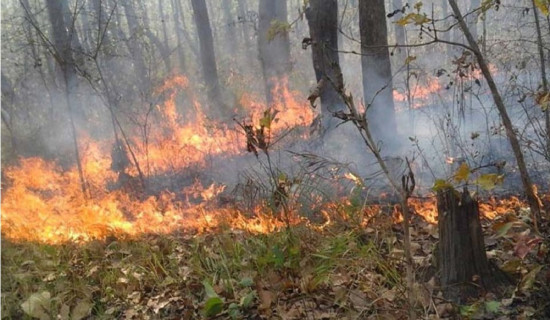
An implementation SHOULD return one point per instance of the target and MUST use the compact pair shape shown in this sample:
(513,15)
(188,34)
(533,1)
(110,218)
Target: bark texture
(377,76)
(322,16)
(208,56)
(462,260)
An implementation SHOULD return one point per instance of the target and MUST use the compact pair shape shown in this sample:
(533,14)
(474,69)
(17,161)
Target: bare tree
(499,103)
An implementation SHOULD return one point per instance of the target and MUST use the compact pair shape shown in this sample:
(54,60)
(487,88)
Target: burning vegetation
(180,168)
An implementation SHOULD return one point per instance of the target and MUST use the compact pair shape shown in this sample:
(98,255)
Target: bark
(273,44)
(510,132)
(322,16)
(62,40)
(462,261)
(376,66)
(208,57)
(542,58)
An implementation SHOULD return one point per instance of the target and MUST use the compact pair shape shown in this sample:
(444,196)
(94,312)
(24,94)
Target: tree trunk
(545,87)
(273,44)
(162,48)
(142,74)
(377,77)
(462,261)
(63,41)
(322,17)
(208,57)
(510,133)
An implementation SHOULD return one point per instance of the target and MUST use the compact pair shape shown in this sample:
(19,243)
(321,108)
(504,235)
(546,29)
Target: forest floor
(340,270)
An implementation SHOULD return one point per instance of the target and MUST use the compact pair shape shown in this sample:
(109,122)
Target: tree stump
(464,269)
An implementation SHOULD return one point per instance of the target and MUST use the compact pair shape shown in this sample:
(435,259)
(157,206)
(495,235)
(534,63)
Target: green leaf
(234,311)
(462,173)
(209,290)
(441,184)
(489,181)
(246,301)
(37,305)
(213,306)
(492,306)
(246,282)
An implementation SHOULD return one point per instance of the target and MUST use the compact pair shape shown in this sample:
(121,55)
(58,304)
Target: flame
(45,203)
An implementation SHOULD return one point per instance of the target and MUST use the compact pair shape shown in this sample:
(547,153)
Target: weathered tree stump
(464,269)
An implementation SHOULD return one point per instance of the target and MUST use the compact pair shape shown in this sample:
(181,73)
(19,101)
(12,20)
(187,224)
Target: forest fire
(420,94)
(55,209)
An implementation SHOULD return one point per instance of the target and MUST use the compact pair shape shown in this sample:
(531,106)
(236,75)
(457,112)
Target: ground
(338,270)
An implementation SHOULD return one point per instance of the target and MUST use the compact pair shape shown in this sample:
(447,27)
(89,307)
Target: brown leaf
(266,299)
(358,299)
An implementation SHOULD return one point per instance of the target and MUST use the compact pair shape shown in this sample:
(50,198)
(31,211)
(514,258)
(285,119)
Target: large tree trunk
(506,122)
(208,57)
(464,270)
(377,77)
(322,16)
(273,44)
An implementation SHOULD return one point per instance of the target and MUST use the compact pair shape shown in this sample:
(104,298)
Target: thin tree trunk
(512,137)
(543,76)
(377,76)
(208,57)
(273,44)
(62,42)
